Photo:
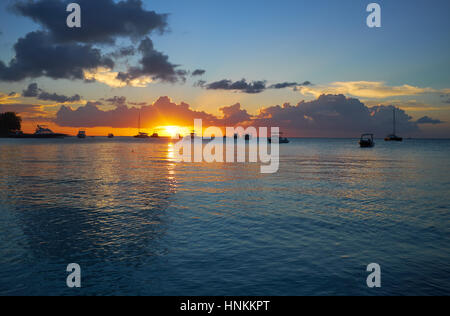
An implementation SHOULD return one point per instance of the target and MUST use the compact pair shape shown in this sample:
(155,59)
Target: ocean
(138,223)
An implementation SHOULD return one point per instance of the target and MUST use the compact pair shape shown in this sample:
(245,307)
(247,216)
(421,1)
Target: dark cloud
(153,64)
(198,72)
(284,85)
(428,120)
(247,87)
(60,52)
(58,98)
(117,101)
(242,86)
(33,91)
(123,52)
(37,55)
(102,20)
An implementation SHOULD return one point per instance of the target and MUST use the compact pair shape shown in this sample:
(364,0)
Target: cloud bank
(327,116)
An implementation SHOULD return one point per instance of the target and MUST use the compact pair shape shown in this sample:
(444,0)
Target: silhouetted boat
(81,134)
(110,135)
(281,140)
(366,141)
(155,135)
(393,137)
(42,131)
(140,135)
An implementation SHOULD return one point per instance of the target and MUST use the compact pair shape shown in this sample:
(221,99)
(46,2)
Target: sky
(312,68)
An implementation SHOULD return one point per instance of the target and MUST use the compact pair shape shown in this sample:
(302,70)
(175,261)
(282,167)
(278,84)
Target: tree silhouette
(9,123)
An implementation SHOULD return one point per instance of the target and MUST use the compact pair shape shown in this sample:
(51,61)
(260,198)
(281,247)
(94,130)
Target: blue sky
(280,41)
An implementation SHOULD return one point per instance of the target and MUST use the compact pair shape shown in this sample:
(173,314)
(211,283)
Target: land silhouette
(10,123)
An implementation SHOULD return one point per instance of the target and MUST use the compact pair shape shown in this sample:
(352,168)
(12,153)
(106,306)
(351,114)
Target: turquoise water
(139,223)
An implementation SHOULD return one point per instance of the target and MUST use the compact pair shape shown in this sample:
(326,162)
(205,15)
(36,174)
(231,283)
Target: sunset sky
(313,68)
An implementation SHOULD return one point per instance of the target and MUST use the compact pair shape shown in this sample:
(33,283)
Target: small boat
(81,134)
(110,135)
(366,141)
(393,137)
(42,131)
(281,140)
(155,135)
(142,135)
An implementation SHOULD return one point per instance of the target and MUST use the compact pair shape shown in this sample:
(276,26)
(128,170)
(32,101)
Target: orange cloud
(364,89)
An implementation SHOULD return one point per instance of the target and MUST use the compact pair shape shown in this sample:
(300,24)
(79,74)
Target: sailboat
(393,137)
(141,135)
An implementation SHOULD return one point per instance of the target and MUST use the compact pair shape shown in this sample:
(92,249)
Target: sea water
(138,223)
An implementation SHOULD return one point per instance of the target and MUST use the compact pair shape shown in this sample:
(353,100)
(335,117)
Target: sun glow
(173,131)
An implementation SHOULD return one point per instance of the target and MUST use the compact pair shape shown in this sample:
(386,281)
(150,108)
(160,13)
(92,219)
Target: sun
(173,131)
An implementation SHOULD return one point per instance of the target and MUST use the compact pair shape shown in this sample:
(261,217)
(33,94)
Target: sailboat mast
(139,123)
(394,123)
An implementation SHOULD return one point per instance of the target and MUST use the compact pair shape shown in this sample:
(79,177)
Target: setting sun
(173,130)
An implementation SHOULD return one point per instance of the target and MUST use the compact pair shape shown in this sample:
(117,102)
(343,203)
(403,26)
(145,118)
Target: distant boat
(42,131)
(140,135)
(393,137)
(110,135)
(155,135)
(281,140)
(81,134)
(366,141)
